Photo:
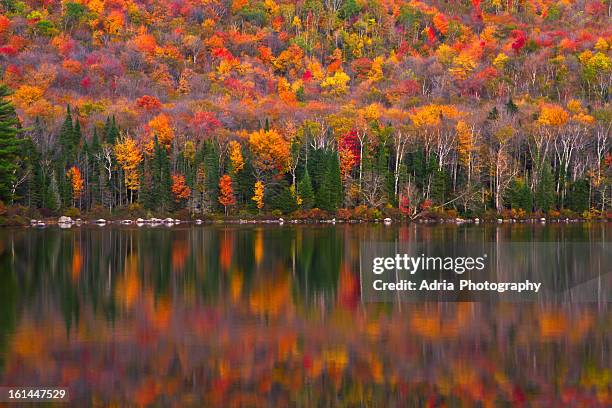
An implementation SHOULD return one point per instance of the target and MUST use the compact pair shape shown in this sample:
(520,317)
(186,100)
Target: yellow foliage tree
(26,95)
(500,61)
(258,196)
(129,157)
(336,84)
(463,65)
(235,155)
(465,143)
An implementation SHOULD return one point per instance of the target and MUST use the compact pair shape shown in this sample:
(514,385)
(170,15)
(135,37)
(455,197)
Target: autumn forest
(357,108)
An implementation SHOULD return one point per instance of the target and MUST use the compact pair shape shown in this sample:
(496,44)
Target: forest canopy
(257,106)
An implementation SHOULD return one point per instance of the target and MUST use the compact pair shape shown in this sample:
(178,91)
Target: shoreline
(67,222)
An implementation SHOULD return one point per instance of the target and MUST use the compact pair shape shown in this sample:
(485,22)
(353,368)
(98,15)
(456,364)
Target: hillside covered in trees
(366,106)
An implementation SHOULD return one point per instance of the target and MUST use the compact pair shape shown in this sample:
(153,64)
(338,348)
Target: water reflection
(271,316)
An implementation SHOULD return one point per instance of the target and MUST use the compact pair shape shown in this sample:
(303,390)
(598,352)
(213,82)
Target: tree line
(383,160)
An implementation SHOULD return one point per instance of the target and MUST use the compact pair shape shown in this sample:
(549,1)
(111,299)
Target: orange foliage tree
(180,190)
(77,183)
(161,126)
(226,192)
(270,152)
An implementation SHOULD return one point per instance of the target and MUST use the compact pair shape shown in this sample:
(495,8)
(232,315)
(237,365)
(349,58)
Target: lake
(269,315)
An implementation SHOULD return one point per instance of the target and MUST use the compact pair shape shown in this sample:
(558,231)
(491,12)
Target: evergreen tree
(335,181)
(305,191)
(54,200)
(111,132)
(66,137)
(32,190)
(94,169)
(520,195)
(545,191)
(439,181)
(76,136)
(329,196)
(493,114)
(578,197)
(317,165)
(9,144)
(511,107)
(281,198)
(211,166)
(159,195)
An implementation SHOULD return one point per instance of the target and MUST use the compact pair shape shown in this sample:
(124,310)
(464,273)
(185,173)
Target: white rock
(199,221)
(140,220)
(64,220)
(126,222)
(388,221)
(169,220)
(100,221)
(499,220)
(542,219)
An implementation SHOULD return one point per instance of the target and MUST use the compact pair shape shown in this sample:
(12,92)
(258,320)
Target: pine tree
(76,136)
(511,107)
(66,137)
(305,191)
(439,181)
(329,196)
(9,144)
(94,164)
(317,164)
(493,114)
(520,195)
(578,197)
(111,132)
(545,191)
(32,190)
(161,179)
(335,181)
(280,198)
(211,165)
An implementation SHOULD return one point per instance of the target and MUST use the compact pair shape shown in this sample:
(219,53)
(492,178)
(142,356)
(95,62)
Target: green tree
(520,195)
(578,197)
(545,191)
(111,131)
(156,193)
(282,199)
(439,182)
(9,144)
(306,192)
(66,138)
(329,196)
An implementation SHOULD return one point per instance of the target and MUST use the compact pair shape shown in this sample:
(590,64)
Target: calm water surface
(272,316)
